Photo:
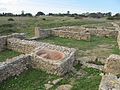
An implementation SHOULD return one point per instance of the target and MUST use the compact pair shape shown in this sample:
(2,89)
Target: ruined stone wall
(74,32)
(71,34)
(14,66)
(3,39)
(50,66)
(41,33)
(61,32)
(103,33)
(118,39)
(3,42)
(25,46)
(22,46)
(91,31)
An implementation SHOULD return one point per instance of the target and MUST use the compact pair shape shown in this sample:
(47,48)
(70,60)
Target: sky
(59,6)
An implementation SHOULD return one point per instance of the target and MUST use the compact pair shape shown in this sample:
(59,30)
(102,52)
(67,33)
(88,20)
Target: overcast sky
(59,6)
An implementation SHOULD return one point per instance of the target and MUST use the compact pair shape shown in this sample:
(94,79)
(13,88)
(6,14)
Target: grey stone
(48,86)
(109,82)
(64,87)
(56,81)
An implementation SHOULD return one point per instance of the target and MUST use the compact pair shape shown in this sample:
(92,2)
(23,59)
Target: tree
(50,14)
(39,14)
(117,15)
(109,14)
(28,14)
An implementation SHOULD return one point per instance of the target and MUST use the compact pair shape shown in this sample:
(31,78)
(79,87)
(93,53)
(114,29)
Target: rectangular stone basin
(54,61)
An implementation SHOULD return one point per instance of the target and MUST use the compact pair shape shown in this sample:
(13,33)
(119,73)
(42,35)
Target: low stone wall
(41,33)
(118,39)
(73,35)
(103,33)
(25,46)
(3,42)
(22,46)
(92,31)
(51,66)
(14,66)
(3,39)
(78,33)
(61,32)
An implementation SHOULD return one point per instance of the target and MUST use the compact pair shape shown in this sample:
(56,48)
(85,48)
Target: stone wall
(60,67)
(78,33)
(103,33)
(71,35)
(22,46)
(3,39)
(14,66)
(118,39)
(93,31)
(41,33)
(25,46)
(3,42)
(61,32)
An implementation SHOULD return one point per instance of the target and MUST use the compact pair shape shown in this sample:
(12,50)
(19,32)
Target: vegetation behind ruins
(27,24)
(35,79)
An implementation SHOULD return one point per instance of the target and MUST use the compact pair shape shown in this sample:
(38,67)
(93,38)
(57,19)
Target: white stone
(56,81)
(64,87)
(48,86)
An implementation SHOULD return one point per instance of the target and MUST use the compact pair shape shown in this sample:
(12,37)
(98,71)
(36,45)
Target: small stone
(73,70)
(48,86)
(49,82)
(64,87)
(80,73)
(101,74)
(56,81)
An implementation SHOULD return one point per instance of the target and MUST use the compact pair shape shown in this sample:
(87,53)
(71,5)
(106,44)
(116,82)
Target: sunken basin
(51,55)
(54,59)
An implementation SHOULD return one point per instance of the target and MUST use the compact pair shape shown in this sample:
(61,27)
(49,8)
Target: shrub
(113,18)
(44,19)
(11,19)
(77,17)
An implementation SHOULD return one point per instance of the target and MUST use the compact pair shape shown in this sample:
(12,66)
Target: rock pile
(111,79)
(112,64)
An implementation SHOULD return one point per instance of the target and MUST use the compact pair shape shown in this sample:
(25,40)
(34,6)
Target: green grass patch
(89,82)
(29,80)
(7,54)
(80,44)
(95,62)
(27,24)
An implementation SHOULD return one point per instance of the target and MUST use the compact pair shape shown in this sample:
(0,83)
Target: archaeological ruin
(56,59)
(50,58)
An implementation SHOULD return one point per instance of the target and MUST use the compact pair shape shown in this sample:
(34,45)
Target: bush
(44,19)
(77,17)
(113,18)
(11,19)
(7,25)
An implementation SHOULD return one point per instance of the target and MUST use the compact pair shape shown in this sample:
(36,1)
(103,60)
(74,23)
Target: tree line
(83,15)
